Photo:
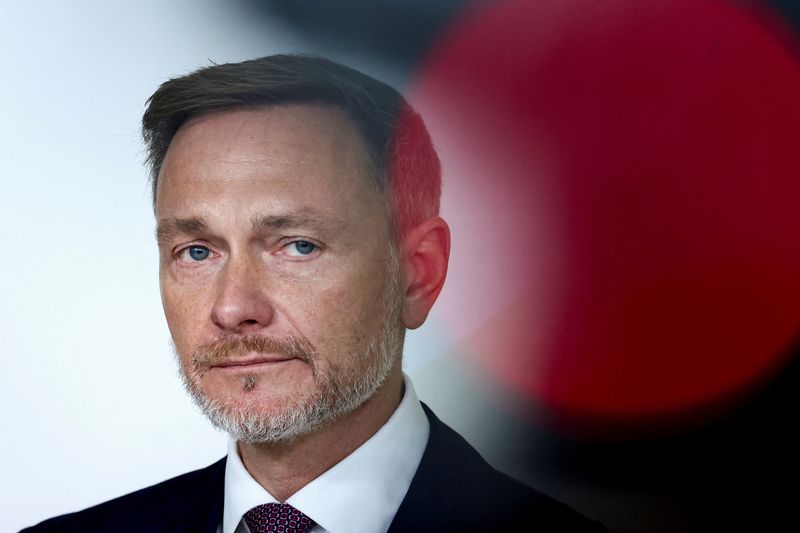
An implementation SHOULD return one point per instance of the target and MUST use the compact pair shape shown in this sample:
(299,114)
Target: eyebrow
(313,221)
(170,227)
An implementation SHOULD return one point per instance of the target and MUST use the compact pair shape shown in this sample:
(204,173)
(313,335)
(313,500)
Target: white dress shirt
(360,494)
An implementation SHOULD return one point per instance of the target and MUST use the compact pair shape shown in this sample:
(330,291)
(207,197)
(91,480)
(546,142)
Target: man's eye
(300,248)
(196,253)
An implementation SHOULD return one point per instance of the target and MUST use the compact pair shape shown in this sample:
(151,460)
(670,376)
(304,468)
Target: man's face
(277,279)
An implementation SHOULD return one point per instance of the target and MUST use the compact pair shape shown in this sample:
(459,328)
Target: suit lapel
(203,512)
(430,503)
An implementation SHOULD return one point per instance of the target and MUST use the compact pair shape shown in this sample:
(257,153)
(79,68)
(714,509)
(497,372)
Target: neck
(286,467)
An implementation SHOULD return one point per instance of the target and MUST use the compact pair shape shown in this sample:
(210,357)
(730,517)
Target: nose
(241,305)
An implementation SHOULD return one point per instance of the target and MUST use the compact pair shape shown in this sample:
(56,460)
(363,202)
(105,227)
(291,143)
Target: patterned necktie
(277,518)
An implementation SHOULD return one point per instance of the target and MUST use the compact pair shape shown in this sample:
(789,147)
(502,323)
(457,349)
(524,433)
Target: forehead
(262,157)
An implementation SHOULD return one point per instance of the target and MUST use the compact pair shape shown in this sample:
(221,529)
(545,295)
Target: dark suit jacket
(454,489)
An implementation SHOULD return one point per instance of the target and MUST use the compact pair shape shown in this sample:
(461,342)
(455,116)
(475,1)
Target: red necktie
(277,518)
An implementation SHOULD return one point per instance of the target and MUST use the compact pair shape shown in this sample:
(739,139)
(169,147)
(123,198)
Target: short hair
(407,168)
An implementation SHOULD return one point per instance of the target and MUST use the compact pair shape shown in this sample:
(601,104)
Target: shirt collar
(361,493)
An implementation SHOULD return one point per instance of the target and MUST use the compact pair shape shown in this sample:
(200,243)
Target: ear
(425,253)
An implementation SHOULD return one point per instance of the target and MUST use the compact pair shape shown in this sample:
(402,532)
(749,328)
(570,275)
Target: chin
(250,417)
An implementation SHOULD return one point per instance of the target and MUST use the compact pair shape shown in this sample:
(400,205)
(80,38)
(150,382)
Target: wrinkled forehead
(316,125)
(297,156)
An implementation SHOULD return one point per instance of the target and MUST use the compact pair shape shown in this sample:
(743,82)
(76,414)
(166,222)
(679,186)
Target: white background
(91,404)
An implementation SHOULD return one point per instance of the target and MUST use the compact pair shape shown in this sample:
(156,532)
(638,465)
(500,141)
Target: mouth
(251,363)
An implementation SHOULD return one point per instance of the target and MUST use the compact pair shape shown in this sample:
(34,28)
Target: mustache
(224,348)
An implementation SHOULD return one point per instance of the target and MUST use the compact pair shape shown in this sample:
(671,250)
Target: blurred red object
(623,182)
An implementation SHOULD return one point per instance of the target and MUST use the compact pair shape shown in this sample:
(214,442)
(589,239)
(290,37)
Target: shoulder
(455,487)
(194,498)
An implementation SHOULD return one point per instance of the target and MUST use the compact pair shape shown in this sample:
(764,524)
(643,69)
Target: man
(297,221)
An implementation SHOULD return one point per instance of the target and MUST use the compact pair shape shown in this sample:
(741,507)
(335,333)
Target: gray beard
(338,392)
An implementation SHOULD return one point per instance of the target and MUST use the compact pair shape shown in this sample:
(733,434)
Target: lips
(240,355)
(252,361)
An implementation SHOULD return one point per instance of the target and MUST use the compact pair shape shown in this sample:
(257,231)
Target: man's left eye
(300,248)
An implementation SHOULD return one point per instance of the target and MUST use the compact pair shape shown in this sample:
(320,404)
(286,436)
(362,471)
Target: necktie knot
(277,518)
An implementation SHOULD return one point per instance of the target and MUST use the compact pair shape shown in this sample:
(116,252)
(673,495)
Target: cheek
(184,309)
(344,315)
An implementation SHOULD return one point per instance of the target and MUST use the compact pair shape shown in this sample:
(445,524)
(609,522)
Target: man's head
(296,202)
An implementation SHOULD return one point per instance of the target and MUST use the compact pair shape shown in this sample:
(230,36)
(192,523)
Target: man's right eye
(195,253)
